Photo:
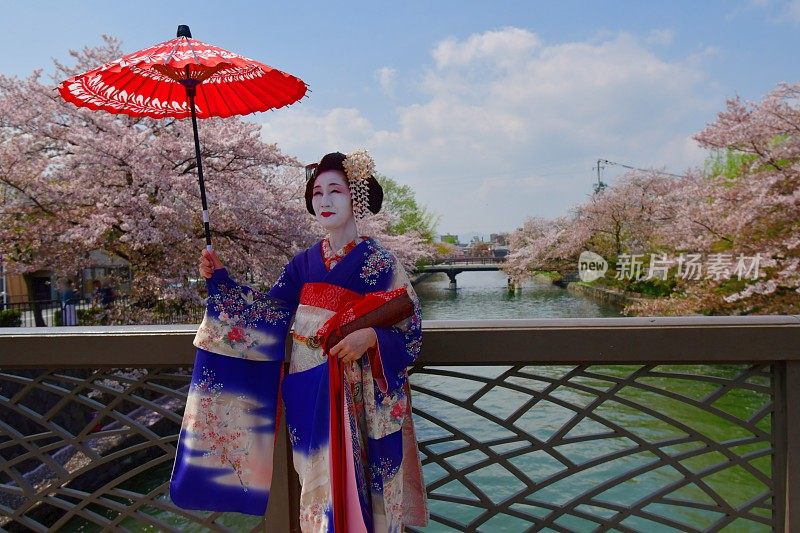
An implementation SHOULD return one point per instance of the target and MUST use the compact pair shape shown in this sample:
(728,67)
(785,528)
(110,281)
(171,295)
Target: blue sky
(492,111)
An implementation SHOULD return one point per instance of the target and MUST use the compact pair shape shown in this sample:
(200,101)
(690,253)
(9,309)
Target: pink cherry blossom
(745,202)
(73,181)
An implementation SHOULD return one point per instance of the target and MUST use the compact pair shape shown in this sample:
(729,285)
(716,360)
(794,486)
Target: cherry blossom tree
(744,203)
(542,245)
(621,218)
(626,216)
(749,204)
(410,247)
(73,181)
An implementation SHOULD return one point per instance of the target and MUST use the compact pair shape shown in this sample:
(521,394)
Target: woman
(379,487)
(69,300)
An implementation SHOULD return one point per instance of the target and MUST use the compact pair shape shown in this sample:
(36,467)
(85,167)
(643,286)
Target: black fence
(55,313)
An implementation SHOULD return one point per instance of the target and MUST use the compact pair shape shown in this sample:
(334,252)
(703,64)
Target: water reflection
(484,295)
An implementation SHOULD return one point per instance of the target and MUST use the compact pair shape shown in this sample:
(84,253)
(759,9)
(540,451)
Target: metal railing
(476,260)
(21,314)
(88,312)
(625,424)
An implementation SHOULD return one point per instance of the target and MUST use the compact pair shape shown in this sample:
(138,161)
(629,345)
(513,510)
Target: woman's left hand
(354,345)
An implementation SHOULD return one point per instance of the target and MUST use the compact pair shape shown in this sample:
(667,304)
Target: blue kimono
(224,458)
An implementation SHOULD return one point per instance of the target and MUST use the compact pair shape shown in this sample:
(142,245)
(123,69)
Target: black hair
(335,161)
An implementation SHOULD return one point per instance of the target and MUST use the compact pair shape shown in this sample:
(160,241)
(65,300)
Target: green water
(643,408)
(640,413)
(484,295)
(668,419)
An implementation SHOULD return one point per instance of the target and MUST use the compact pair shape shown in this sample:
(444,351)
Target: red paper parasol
(181,78)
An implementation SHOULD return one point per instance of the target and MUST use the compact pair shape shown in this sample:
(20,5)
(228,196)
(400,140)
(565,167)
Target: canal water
(484,295)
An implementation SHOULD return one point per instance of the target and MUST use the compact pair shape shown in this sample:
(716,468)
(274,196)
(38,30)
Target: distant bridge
(454,267)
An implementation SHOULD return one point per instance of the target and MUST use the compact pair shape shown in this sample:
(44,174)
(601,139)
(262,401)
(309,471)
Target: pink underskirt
(355,520)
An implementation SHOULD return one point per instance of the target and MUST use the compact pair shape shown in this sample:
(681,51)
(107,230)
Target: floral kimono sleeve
(287,288)
(394,471)
(243,322)
(224,457)
(398,346)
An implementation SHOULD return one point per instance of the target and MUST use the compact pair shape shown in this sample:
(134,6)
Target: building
(500,239)
(12,288)
(111,271)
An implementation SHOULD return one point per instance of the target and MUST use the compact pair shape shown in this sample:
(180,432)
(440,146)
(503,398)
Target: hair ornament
(359,168)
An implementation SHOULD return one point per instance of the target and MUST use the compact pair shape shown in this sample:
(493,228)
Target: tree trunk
(37,310)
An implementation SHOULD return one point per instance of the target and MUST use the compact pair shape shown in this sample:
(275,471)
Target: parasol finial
(184,31)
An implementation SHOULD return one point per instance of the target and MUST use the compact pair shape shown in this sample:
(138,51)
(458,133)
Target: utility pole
(599,186)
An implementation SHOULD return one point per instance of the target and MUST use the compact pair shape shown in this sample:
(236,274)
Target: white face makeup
(333,207)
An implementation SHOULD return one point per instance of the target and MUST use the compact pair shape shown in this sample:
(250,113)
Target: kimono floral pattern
(377,261)
(412,333)
(215,426)
(281,281)
(394,501)
(234,318)
(386,412)
(398,412)
(243,307)
(293,438)
(356,433)
(381,471)
(224,336)
(314,515)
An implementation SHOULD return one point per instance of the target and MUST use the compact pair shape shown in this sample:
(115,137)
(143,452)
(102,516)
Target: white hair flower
(359,167)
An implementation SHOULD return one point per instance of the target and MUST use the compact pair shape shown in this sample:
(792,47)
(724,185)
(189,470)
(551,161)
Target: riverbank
(419,278)
(604,294)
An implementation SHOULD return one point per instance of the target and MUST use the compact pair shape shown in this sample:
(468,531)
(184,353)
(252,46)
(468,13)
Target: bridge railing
(474,260)
(627,424)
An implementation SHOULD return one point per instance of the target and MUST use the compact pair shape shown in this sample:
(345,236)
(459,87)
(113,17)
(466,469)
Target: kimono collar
(331,258)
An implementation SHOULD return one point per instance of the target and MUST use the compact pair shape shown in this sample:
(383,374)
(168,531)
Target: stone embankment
(416,278)
(604,294)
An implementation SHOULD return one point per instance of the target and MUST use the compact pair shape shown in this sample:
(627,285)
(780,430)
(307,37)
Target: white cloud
(663,36)
(498,46)
(386,79)
(309,133)
(776,12)
(510,127)
(793,10)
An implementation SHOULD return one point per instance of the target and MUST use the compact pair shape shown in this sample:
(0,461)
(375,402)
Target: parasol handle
(190,86)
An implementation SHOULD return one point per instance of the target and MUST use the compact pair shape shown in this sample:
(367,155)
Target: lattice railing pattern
(514,448)
(90,450)
(597,448)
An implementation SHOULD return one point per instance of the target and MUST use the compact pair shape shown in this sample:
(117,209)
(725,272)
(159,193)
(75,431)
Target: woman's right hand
(209,262)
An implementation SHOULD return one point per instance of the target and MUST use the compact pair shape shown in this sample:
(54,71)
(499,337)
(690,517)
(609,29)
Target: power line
(623,165)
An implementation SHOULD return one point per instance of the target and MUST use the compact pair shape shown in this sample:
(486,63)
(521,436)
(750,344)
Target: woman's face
(331,201)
